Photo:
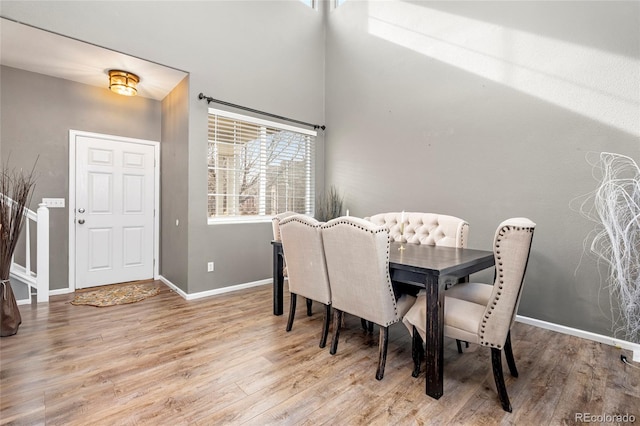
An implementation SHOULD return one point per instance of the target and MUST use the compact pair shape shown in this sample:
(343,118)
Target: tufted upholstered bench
(424,228)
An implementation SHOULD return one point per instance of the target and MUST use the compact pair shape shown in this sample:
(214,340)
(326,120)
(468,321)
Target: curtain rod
(209,99)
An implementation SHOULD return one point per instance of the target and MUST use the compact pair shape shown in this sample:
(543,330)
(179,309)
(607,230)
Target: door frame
(73,134)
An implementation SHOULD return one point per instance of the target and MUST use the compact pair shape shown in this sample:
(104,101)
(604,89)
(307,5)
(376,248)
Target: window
(258,168)
(310,3)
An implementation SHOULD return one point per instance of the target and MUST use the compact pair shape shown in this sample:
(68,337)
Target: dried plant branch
(329,205)
(615,208)
(16,189)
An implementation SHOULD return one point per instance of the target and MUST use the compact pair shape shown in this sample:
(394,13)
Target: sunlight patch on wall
(600,85)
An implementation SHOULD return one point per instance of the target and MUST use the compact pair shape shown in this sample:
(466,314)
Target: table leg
(278,280)
(435,337)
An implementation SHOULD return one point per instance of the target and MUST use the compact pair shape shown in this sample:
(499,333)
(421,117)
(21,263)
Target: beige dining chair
(474,317)
(357,255)
(275,224)
(302,244)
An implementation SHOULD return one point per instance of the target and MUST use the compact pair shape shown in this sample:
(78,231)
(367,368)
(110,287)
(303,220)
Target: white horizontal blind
(258,167)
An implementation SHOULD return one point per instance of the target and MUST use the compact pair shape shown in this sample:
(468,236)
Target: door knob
(80,210)
(81,221)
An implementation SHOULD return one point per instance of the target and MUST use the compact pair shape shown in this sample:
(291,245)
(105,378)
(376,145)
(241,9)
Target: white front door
(114,211)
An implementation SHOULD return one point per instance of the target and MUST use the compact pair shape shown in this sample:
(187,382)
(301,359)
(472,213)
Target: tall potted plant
(16,189)
(329,205)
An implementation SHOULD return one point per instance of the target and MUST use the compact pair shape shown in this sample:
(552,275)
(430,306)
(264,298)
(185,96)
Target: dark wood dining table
(423,266)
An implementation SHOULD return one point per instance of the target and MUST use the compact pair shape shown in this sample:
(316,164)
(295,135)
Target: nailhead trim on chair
(376,231)
(501,234)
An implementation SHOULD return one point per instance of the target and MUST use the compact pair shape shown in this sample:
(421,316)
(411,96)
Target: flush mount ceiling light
(123,82)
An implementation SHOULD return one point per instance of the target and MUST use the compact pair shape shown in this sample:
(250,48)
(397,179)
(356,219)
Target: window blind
(257,167)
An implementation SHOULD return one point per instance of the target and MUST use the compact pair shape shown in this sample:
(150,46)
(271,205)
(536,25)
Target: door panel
(100,249)
(133,248)
(114,211)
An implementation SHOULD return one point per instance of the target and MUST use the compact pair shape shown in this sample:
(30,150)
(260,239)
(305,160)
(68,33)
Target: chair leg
(366,325)
(337,319)
(417,352)
(496,362)
(325,326)
(459,344)
(508,351)
(382,349)
(309,304)
(292,311)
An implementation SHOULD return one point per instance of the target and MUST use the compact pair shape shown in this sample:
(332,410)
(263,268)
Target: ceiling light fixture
(123,82)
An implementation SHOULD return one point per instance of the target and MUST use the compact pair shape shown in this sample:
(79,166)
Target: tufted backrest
(357,254)
(424,228)
(275,223)
(512,245)
(304,251)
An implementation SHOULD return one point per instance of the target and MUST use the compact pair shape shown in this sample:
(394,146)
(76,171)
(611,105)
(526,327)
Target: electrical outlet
(53,203)
(210,267)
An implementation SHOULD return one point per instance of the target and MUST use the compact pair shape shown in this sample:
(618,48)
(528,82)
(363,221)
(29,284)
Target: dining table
(423,266)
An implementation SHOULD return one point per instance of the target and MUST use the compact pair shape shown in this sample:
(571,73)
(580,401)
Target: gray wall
(174,182)
(37,113)
(483,110)
(487,110)
(267,55)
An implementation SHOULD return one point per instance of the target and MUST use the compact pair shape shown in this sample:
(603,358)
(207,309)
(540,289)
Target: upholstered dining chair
(357,254)
(483,314)
(302,244)
(275,224)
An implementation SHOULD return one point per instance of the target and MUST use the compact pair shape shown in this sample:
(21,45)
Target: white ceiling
(32,49)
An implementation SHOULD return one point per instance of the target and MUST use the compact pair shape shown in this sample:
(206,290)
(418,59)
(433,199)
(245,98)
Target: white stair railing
(42,253)
(37,278)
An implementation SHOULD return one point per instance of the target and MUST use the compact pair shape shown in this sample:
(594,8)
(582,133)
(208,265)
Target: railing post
(27,244)
(42,279)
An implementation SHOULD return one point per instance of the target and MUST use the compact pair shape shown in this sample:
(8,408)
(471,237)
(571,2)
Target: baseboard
(200,295)
(612,341)
(59,291)
(55,292)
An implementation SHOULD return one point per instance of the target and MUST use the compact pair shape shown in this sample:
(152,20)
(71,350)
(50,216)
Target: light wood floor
(227,360)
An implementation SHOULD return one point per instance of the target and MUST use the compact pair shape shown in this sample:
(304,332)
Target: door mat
(116,295)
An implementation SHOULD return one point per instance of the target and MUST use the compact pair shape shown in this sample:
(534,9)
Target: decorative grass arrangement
(16,188)
(329,205)
(615,209)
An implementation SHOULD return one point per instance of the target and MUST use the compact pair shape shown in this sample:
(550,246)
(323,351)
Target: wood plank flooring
(227,360)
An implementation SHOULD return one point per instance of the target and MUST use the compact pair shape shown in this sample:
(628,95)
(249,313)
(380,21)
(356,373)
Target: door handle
(80,210)
(81,221)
